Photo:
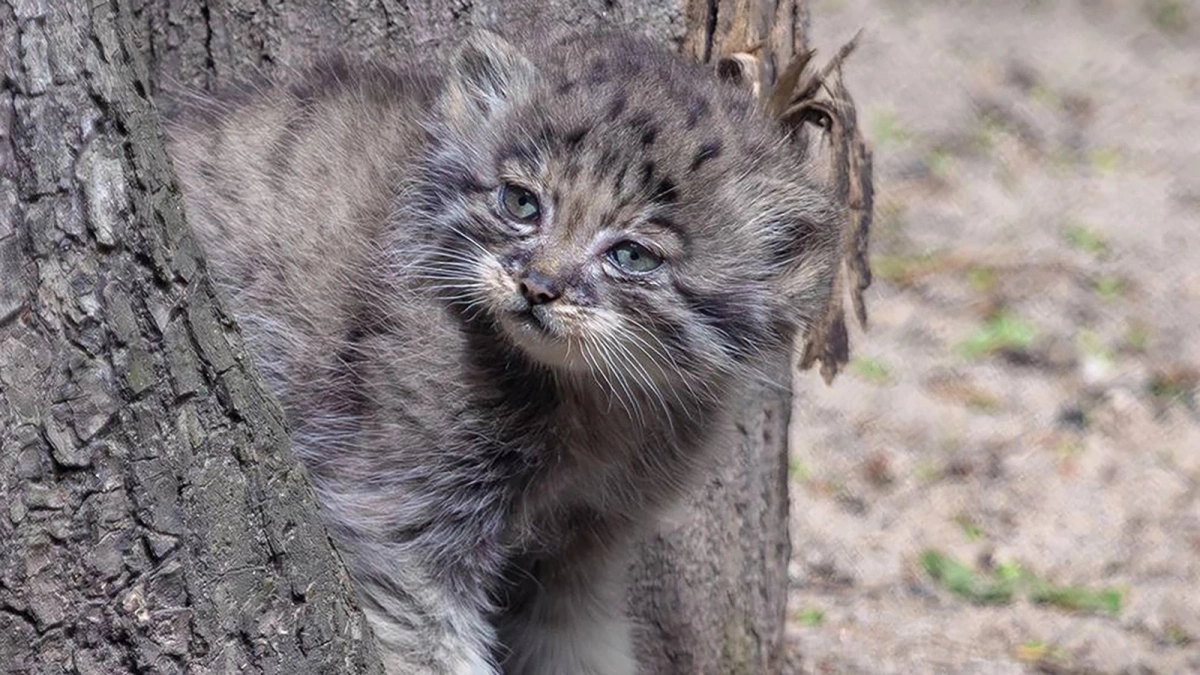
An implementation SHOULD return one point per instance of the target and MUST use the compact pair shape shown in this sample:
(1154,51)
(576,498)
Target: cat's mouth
(542,337)
(532,320)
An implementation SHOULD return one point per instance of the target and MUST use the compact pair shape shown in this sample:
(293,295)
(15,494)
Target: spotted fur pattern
(482,462)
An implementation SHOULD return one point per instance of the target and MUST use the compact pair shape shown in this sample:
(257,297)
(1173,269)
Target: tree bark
(151,516)
(152,519)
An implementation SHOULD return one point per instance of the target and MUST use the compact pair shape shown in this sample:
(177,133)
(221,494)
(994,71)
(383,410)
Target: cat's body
(505,306)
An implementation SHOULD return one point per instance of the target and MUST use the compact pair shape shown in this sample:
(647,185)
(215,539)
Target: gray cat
(505,302)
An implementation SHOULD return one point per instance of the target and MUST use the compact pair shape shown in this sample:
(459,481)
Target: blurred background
(1007,479)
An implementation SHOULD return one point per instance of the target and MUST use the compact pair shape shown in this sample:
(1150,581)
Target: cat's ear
(487,75)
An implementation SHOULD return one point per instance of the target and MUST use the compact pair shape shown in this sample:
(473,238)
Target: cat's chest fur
(572,456)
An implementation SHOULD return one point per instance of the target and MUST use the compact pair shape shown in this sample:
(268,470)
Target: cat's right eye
(519,203)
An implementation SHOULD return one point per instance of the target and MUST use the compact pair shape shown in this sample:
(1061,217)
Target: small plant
(982,278)
(1002,332)
(904,270)
(1175,386)
(1170,16)
(1046,657)
(1105,160)
(1008,580)
(1086,239)
(1109,287)
(887,129)
(811,617)
(968,526)
(1095,353)
(939,162)
(1136,338)
(965,582)
(1176,636)
(1075,598)
(798,471)
(871,370)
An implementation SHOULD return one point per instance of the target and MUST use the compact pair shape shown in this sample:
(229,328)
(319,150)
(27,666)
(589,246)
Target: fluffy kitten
(505,303)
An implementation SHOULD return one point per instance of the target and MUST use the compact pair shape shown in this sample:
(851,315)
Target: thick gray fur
(483,463)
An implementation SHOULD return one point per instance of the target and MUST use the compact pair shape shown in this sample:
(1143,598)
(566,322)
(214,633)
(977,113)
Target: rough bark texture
(151,516)
(152,521)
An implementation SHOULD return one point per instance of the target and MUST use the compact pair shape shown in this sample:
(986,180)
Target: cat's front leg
(570,618)
(421,627)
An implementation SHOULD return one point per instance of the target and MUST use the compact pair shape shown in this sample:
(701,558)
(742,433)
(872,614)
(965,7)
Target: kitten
(505,302)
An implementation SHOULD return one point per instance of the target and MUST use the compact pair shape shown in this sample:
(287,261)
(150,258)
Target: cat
(506,300)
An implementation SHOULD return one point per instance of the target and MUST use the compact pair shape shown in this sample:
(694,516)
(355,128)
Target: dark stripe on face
(607,160)
(647,174)
(524,152)
(665,192)
(575,137)
(710,150)
(738,327)
(618,182)
(697,110)
(669,332)
(669,224)
(642,123)
(617,105)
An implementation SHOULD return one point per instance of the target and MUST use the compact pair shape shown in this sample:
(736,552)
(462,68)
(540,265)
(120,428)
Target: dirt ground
(1007,479)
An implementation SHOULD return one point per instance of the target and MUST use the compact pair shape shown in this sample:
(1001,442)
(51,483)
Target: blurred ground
(1007,480)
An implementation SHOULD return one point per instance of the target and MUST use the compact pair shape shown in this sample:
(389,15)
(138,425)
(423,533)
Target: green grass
(1109,287)
(1002,332)
(903,270)
(1176,636)
(940,163)
(1105,160)
(887,129)
(871,370)
(1076,598)
(1086,239)
(1092,346)
(1009,580)
(982,279)
(969,528)
(979,589)
(810,616)
(1174,387)
(1136,338)
(798,471)
(1169,16)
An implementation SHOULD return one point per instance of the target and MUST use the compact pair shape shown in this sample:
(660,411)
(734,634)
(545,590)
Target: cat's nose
(538,288)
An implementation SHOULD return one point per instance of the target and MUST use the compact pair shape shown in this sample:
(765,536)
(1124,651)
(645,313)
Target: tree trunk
(151,517)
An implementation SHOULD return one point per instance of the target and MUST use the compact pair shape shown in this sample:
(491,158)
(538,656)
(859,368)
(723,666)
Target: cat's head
(608,207)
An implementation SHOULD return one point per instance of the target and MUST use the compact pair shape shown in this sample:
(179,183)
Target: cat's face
(610,209)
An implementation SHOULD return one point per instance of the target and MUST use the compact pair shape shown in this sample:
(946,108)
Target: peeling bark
(150,516)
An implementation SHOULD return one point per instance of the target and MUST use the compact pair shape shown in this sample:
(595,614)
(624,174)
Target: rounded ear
(487,75)
(742,69)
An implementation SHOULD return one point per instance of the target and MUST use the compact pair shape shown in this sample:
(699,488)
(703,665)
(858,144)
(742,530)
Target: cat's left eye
(520,203)
(634,258)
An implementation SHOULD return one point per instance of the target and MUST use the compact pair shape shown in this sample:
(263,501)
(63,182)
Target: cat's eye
(520,203)
(634,258)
